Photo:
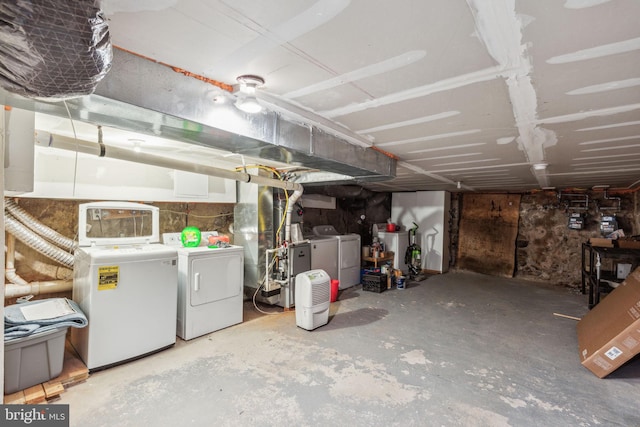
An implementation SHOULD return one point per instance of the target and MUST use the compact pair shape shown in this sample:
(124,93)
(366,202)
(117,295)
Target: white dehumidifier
(312,299)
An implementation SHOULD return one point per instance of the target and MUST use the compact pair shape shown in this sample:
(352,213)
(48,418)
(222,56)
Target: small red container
(391,227)
(335,285)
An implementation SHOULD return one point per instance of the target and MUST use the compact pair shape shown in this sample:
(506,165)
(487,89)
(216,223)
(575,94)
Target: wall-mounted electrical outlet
(96,214)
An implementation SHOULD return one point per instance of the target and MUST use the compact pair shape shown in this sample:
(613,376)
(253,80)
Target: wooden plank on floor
(74,370)
(35,394)
(52,389)
(15,398)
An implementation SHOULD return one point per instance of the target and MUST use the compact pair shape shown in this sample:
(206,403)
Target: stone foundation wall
(550,251)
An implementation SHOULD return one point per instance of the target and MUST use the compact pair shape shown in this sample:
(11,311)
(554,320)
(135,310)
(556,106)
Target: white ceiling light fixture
(540,166)
(247,100)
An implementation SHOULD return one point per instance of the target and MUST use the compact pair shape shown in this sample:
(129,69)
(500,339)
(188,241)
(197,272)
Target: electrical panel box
(576,221)
(608,224)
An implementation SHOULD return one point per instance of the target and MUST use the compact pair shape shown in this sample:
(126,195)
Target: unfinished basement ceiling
(472,92)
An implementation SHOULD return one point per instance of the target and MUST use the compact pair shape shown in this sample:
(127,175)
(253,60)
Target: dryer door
(215,277)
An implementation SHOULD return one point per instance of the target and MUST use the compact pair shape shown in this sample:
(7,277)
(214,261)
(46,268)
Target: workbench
(599,267)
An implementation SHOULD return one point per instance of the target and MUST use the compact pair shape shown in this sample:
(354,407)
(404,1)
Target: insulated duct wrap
(53,49)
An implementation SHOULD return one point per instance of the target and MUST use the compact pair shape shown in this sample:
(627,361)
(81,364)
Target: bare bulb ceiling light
(247,100)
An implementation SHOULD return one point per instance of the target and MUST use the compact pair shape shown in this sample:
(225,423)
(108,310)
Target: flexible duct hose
(36,242)
(48,233)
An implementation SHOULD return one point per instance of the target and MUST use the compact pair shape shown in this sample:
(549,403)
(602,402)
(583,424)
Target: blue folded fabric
(19,331)
(16,326)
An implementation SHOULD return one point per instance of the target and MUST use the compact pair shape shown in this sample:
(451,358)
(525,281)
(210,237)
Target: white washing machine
(125,282)
(349,252)
(210,286)
(324,255)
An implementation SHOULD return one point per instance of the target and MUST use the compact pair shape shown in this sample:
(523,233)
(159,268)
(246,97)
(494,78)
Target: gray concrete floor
(458,349)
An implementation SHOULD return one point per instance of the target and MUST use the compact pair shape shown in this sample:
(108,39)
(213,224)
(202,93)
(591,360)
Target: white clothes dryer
(210,286)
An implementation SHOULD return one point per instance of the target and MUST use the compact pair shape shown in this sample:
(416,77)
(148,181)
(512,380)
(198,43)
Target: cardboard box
(628,244)
(598,241)
(609,335)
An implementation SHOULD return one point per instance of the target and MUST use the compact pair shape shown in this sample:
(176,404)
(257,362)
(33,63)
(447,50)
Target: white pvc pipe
(10,268)
(101,150)
(54,272)
(37,288)
(19,287)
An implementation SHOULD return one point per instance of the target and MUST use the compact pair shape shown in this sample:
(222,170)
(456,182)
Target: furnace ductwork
(351,192)
(149,98)
(53,49)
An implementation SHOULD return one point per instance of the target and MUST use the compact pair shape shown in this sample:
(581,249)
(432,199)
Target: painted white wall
(430,210)
(61,174)
(18,152)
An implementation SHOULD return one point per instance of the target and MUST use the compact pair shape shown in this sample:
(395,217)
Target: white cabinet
(59,175)
(430,210)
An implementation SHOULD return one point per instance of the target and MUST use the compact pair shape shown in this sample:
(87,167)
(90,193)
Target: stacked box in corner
(609,335)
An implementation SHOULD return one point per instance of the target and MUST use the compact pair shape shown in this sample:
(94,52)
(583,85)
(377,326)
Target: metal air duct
(146,97)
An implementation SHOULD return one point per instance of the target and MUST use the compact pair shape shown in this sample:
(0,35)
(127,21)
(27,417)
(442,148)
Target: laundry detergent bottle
(191,237)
